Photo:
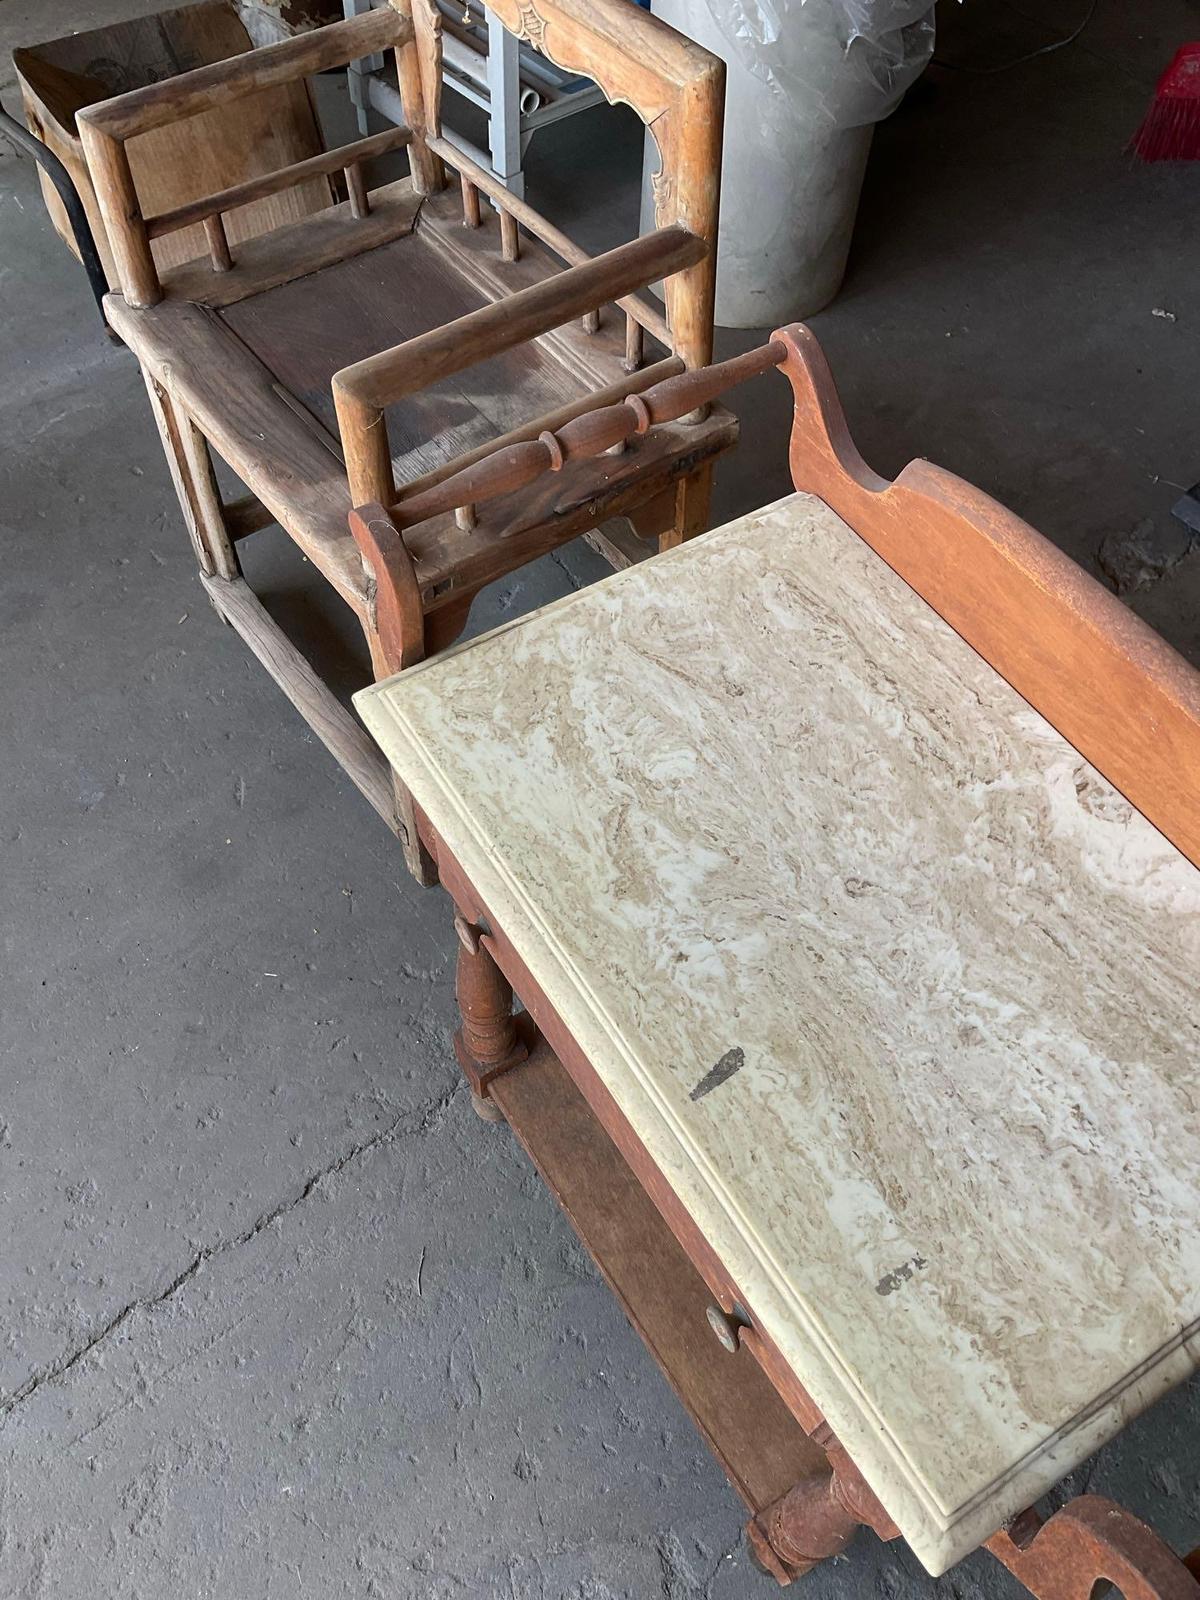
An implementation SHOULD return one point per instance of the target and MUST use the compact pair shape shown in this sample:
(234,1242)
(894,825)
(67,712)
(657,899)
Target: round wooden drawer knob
(725,1328)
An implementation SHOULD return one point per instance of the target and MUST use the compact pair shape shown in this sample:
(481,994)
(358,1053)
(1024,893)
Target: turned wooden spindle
(804,1527)
(487,1044)
(218,243)
(470,203)
(356,188)
(591,434)
(818,1518)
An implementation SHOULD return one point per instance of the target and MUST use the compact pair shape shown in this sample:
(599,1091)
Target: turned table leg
(817,1518)
(487,1043)
(804,1527)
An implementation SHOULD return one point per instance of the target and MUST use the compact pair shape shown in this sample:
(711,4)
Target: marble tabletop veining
(896,989)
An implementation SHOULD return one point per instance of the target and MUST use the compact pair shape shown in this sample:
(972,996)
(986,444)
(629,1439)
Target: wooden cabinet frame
(1106,681)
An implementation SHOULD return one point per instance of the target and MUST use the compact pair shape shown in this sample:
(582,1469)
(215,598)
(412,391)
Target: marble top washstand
(897,991)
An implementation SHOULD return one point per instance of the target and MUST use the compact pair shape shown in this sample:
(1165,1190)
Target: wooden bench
(366,353)
(847,864)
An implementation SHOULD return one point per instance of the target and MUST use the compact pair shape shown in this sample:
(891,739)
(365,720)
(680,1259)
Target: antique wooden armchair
(856,928)
(367,352)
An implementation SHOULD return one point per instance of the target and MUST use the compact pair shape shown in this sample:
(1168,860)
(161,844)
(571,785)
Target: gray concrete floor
(280,1316)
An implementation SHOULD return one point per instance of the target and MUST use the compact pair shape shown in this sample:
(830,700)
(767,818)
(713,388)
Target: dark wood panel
(307,330)
(759,1444)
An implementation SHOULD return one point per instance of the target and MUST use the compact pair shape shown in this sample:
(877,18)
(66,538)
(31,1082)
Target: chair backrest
(105,129)
(674,86)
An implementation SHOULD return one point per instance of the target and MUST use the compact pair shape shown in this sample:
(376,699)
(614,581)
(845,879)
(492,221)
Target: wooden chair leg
(692,496)
(395,631)
(487,1043)
(195,484)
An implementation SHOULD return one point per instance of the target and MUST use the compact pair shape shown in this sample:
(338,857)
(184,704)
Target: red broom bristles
(1170,130)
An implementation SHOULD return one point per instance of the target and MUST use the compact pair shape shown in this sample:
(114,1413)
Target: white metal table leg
(504,89)
(357,71)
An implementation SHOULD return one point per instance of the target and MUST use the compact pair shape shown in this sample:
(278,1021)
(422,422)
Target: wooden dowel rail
(361,392)
(510,238)
(549,421)
(356,189)
(470,200)
(218,244)
(241,194)
(388,376)
(591,434)
(245,515)
(173,99)
(521,211)
(634,344)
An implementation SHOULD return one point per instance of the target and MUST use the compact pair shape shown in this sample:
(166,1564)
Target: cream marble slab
(756,796)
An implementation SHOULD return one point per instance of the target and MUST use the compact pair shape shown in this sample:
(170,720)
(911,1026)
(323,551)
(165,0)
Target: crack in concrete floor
(406,1124)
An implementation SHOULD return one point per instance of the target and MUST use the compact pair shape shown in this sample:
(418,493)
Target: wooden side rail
(588,435)
(361,392)
(513,208)
(269,183)
(104,129)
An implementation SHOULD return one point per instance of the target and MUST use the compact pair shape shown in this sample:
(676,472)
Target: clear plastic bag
(883,45)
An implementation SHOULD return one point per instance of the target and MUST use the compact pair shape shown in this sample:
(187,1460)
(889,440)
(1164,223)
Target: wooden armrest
(268,183)
(362,391)
(516,465)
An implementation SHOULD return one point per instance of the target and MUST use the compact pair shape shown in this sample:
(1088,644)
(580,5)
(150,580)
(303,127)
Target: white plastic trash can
(807,81)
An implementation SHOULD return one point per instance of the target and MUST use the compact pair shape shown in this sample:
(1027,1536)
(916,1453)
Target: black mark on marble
(732,1061)
(857,887)
(896,1279)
